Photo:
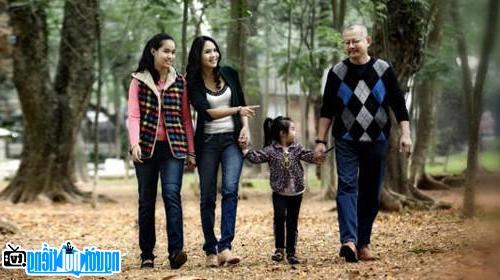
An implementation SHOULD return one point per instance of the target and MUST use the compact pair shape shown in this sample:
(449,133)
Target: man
(358,94)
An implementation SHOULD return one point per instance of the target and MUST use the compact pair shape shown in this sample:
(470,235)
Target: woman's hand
(244,134)
(191,162)
(136,154)
(248,111)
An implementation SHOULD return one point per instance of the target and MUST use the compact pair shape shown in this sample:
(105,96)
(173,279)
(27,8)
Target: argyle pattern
(363,103)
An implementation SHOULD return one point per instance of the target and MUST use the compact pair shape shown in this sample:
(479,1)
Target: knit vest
(171,108)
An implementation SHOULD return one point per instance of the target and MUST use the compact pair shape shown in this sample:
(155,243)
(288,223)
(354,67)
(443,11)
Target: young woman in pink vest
(161,141)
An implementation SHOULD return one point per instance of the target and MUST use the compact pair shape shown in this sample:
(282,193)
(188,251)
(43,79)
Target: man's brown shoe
(226,256)
(365,255)
(211,261)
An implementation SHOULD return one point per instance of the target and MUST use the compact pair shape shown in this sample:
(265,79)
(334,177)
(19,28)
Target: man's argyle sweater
(359,97)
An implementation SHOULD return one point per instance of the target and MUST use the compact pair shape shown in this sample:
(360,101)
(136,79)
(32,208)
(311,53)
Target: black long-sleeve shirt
(359,97)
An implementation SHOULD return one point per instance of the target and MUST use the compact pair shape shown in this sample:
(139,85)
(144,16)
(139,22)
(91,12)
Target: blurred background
(65,70)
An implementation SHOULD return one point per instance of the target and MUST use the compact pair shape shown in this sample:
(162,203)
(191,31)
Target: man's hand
(405,144)
(319,152)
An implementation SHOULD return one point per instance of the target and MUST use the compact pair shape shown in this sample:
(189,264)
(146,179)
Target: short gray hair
(360,27)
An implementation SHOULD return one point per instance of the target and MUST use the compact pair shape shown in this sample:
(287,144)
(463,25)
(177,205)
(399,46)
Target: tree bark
(184,35)
(52,116)
(237,38)
(401,37)
(426,95)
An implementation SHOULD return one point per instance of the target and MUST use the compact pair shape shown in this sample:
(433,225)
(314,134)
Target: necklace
(286,159)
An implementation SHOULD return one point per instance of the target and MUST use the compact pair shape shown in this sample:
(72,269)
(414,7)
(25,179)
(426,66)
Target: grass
(457,163)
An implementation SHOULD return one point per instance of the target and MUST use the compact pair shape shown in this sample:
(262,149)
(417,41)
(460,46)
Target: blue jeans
(360,168)
(170,170)
(219,149)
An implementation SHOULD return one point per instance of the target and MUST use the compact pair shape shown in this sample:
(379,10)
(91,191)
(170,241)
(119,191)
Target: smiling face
(356,43)
(164,56)
(209,55)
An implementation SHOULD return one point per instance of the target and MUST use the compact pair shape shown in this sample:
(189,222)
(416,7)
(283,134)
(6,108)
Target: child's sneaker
(147,263)
(278,255)
(292,259)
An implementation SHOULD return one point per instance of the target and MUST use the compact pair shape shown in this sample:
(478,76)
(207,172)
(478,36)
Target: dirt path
(410,245)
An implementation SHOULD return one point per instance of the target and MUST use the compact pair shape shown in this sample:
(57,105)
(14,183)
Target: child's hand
(319,158)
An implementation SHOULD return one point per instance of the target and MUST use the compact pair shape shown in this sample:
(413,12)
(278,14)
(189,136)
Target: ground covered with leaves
(409,245)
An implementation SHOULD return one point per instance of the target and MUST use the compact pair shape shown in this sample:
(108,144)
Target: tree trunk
(52,116)
(184,35)
(401,37)
(426,95)
(330,166)
(474,94)
(237,38)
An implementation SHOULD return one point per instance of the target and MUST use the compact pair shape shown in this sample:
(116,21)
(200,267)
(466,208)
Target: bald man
(358,94)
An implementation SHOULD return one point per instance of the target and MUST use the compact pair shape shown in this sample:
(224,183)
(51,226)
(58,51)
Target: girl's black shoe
(348,254)
(292,259)
(278,255)
(147,263)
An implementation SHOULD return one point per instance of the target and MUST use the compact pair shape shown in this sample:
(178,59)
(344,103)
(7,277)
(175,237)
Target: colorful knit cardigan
(171,109)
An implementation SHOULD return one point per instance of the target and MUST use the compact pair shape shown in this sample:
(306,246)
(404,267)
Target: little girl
(283,155)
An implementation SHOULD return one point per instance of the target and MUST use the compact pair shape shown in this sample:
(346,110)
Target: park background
(66,174)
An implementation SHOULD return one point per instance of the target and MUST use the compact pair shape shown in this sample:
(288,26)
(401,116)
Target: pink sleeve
(134,115)
(186,118)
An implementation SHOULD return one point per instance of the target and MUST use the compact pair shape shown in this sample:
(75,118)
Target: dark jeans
(170,170)
(286,211)
(219,149)
(360,168)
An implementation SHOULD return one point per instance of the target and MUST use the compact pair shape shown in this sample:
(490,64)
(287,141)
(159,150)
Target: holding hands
(320,152)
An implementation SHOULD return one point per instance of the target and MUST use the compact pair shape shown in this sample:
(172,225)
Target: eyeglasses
(353,41)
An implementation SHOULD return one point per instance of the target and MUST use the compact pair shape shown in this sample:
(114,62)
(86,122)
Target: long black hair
(193,68)
(273,129)
(147,61)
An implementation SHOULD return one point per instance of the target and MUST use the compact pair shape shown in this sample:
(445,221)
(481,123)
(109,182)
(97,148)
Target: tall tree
(52,111)
(184,35)
(400,36)
(473,92)
(237,35)
(426,94)
(5,70)
(329,168)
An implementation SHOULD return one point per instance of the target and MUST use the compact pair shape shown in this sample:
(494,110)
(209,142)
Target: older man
(358,94)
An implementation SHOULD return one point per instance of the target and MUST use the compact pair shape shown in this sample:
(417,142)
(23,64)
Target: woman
(215,92)
(161,138)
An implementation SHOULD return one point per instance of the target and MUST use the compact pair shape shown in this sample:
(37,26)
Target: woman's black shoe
(177,259)
(278,255)
(348,254)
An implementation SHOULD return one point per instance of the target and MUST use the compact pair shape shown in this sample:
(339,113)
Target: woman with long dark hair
(222,124)
(161,140)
